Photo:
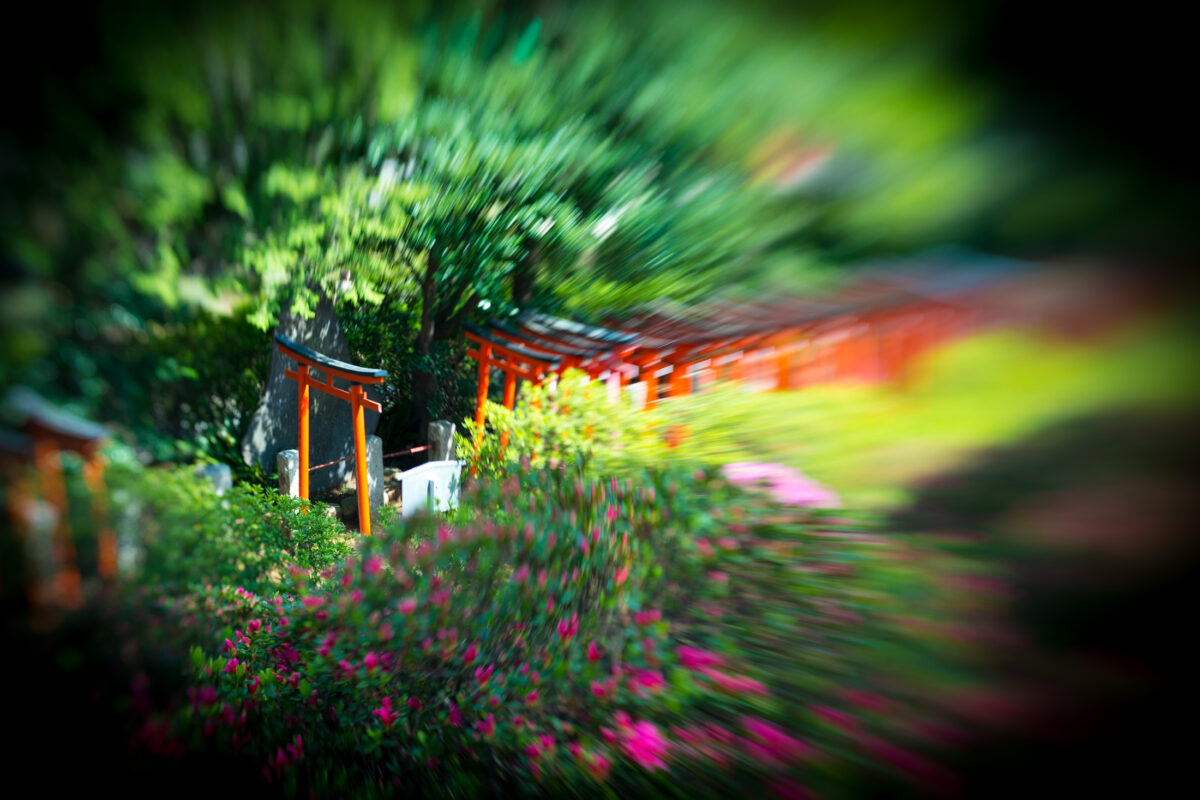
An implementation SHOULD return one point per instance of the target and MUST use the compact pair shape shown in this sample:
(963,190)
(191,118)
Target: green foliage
(564,634)
(570,421)
(249,537)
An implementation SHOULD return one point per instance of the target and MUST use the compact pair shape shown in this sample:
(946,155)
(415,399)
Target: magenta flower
(642,742)
(371,661)
(230,665)
(455,716)
(647,617)
(385,713)
(650,680)
(568,628)
(408,605)
(487,726)
(373,565)
(482,675)
(254,625)
(598,765)
(838,718)
(775,740)
(593,652)
(313,602)
(695,659)
(532,697)
(783,483)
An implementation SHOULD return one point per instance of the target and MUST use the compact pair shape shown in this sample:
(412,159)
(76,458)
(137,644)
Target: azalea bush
(176,531)
(597,636)
(570,420)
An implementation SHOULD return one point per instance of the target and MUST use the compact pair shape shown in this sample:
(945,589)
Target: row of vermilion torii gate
(775,347)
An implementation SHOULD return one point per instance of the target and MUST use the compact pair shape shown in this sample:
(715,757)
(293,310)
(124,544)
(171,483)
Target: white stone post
(288,462)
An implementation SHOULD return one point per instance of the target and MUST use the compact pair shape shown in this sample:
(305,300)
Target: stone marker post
(441,440)
(375,475)
(288,462)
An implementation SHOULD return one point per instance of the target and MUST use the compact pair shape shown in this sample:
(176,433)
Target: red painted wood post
(651,381)
(510,398)
(481,391)
(783,368)
(93,475)
(53,489)
(302,382)
(680,384)
(360,460)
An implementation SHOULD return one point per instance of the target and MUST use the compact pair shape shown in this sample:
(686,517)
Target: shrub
(249,537)
(571,420)
(570,635)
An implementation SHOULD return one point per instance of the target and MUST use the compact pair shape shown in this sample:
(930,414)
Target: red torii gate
(307,359)
(50,432)
(870,330)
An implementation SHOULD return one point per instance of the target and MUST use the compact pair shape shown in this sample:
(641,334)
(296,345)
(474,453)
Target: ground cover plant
(682,631)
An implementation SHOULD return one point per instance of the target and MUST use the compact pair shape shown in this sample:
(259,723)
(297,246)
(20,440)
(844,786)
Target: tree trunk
(524,277)
(424,380)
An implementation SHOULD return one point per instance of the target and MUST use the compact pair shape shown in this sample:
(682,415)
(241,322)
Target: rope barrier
(385,455)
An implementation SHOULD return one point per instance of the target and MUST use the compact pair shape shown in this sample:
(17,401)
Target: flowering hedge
(674,634)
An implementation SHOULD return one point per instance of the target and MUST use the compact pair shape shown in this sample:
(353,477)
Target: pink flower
(775,740)
(568,628)
(455,716)
(642,742)
(487,726)
(598,765)
(230,665)
(621,575)
(593,652)
(736,684)
(408,605)
(371,661)
(549,605)
(521,573)
(327,646)
(469,656)
(385,713)
(532,697)
(838,718)
(647,617)
(695,659)
(649,680)
(385,632)
(373,565)
(414,703)
(313,602)
(482,675)
(254,625)
(865,699)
